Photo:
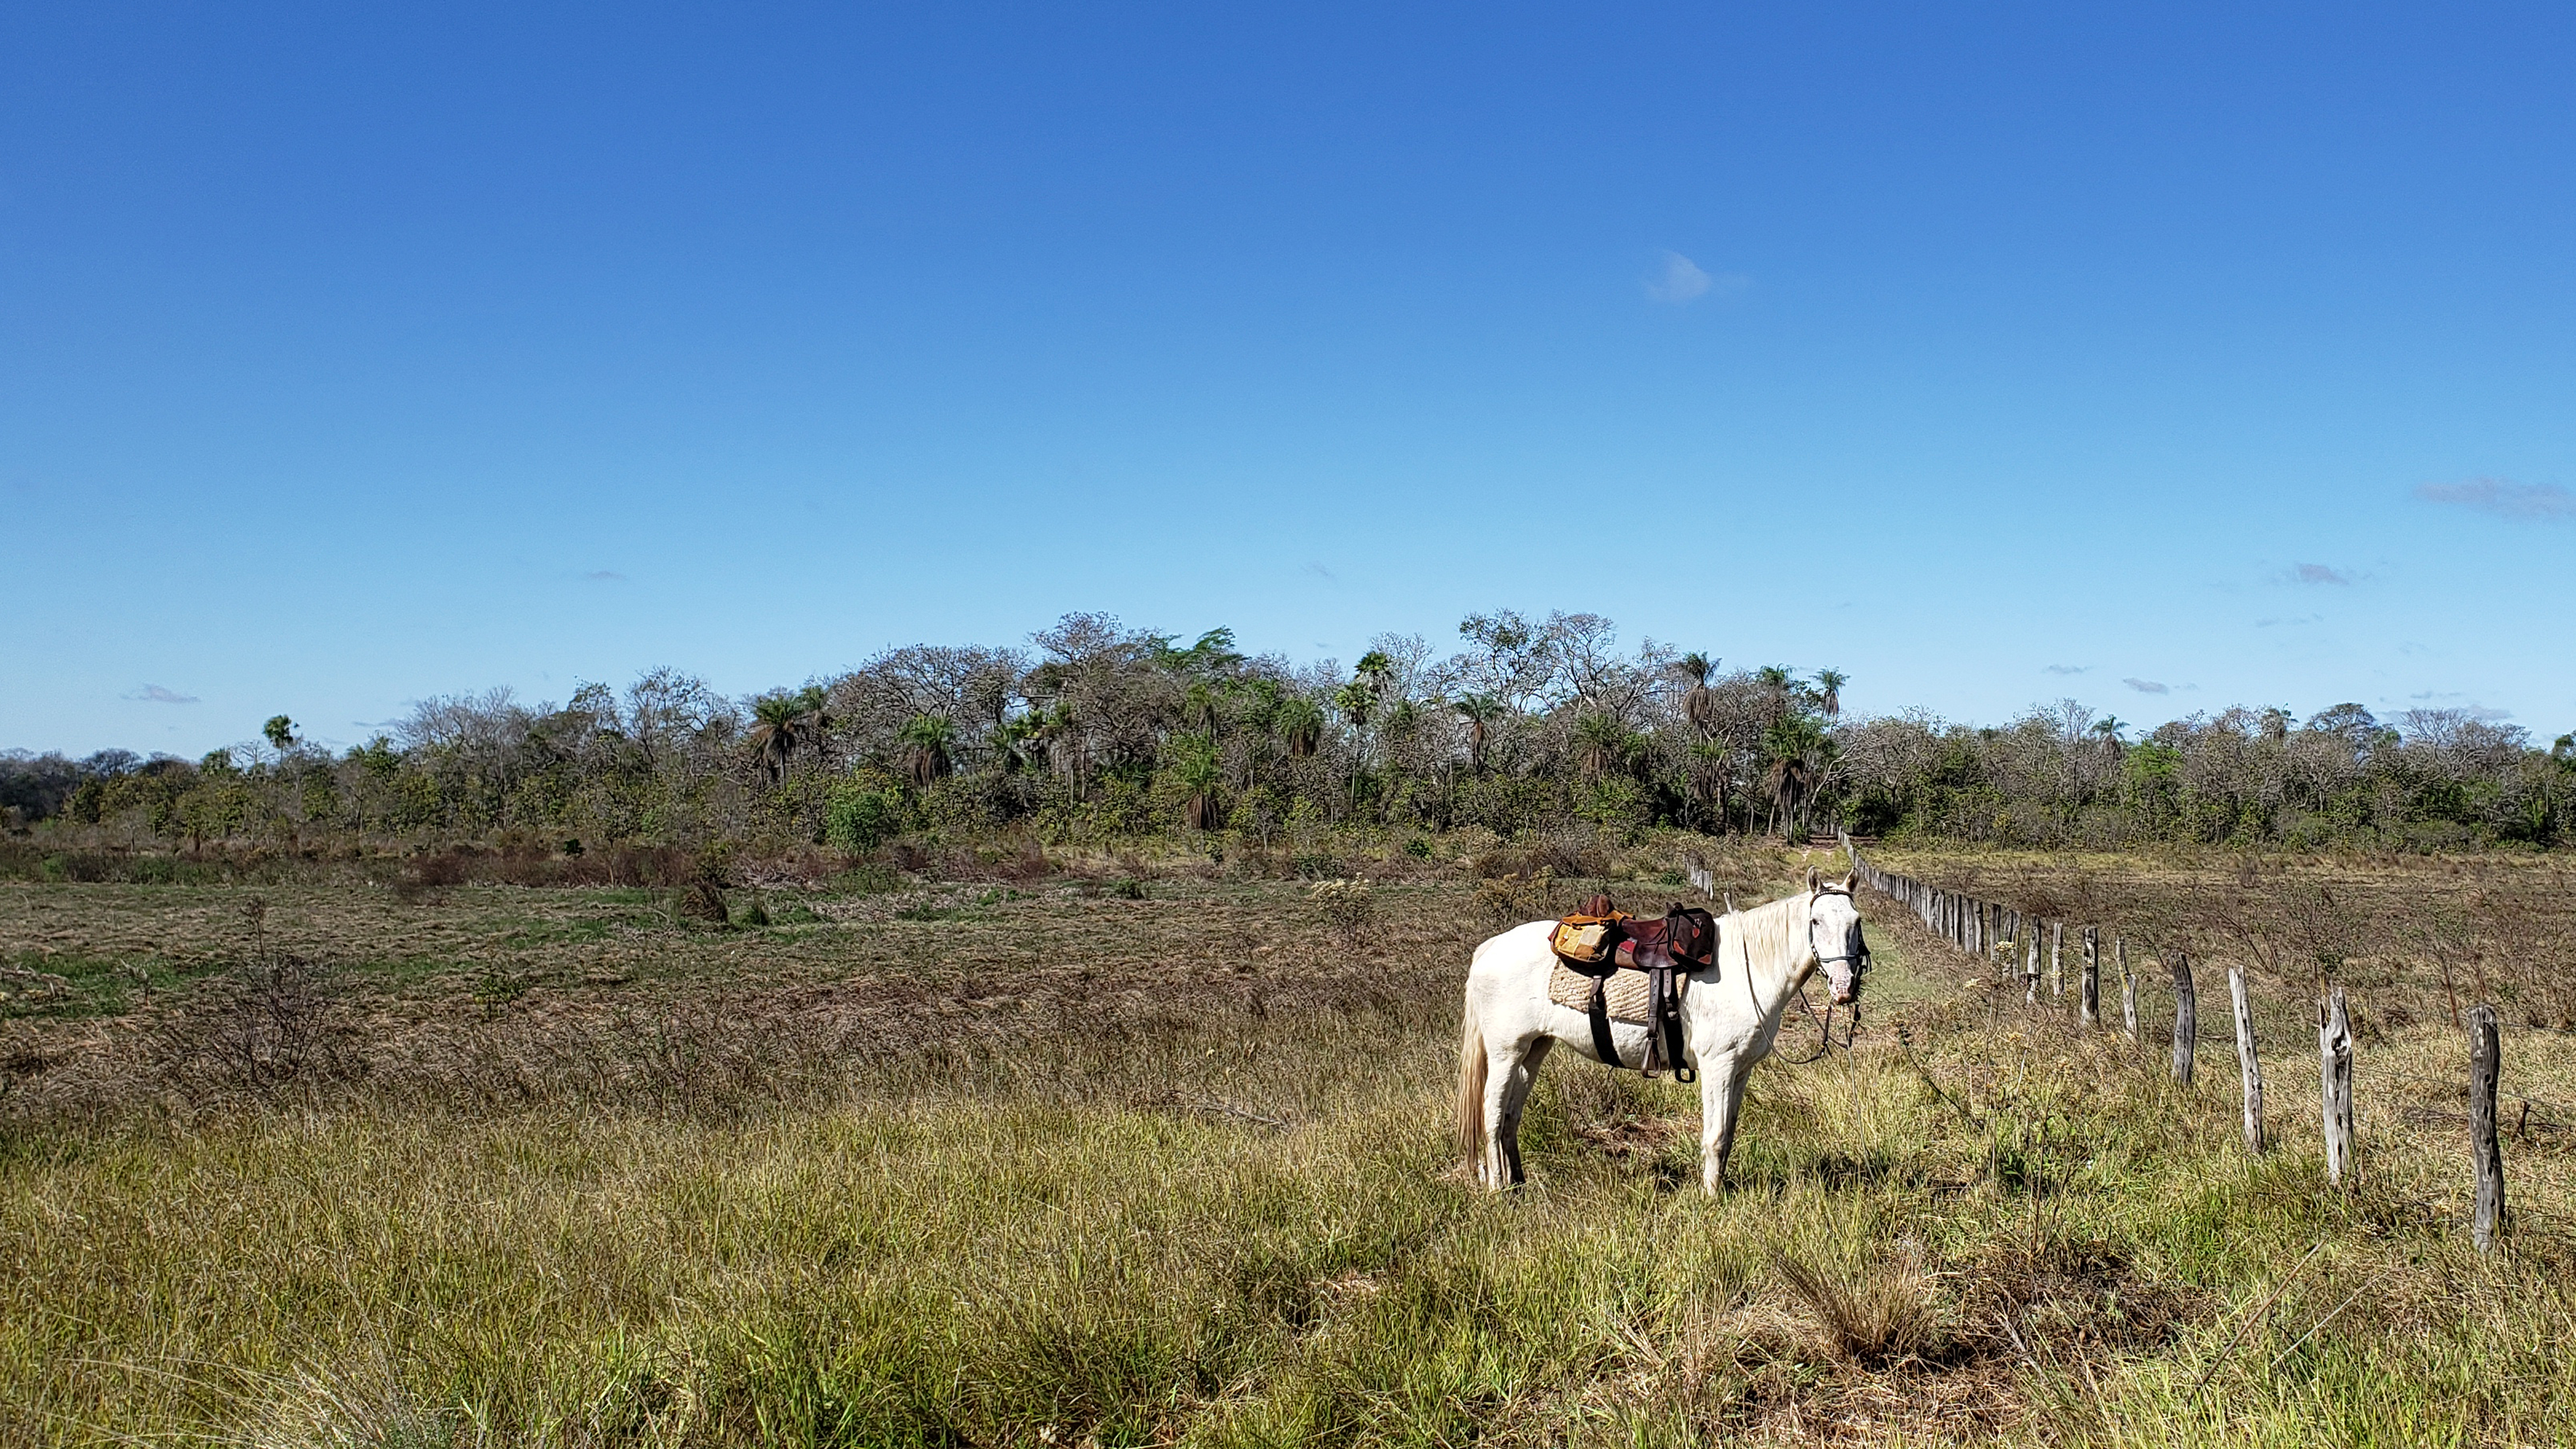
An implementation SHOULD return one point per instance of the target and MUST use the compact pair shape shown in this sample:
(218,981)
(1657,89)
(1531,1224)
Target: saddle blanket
(1626,994)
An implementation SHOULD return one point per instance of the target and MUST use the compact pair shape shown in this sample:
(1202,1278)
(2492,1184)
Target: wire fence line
(2000,936)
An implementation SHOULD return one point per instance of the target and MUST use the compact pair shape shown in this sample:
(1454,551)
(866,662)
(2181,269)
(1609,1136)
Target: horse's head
(1833,934)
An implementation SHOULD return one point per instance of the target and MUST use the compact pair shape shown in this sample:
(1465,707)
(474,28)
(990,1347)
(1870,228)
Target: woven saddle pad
(1627,992)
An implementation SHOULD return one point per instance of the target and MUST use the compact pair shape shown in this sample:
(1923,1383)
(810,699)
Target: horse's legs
(1516,1085)
(1721,1097)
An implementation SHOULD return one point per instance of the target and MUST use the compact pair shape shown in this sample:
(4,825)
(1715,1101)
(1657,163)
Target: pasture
(1153,1154)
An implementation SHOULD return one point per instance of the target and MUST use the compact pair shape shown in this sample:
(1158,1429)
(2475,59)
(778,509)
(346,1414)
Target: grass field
(1030,1161)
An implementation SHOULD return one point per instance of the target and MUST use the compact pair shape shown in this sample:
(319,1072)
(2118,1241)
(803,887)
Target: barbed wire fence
(2004,940)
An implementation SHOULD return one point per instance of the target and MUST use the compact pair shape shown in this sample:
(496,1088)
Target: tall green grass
(1113,1248)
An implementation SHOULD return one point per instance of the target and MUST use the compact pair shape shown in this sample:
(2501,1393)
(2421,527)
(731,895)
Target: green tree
(777,721)
(1479,711)
(1602,744)
(929,742)
(1300,725)
(1198,771)
(1699,702)
(280,731)
(1829,691)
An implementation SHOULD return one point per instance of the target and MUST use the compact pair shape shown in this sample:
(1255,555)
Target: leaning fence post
(2056,958)
(2334,1066)
(2128,987)
(2030,970)
(2250,1065)
(2090,1001)
(2186,1017)
(2483,1065)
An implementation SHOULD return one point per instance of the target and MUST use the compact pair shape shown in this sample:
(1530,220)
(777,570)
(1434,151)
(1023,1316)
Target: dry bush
(702,895)
(1872,1315)
(1347,906)
(1513,900)
(265,1027)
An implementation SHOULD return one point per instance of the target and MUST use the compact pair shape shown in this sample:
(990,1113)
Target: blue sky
(2165,357)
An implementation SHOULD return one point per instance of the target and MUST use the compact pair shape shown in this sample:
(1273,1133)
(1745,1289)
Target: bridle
(1859,961)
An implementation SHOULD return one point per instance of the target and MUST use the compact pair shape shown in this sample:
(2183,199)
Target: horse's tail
(1471,1081)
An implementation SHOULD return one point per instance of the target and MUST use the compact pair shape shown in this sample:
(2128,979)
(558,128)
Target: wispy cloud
(2283,620)
(155,694)
(603,576)
(1317,569)
(2148,686)
(2311,573)
(1679,279)
(2068,669)
(2504,498)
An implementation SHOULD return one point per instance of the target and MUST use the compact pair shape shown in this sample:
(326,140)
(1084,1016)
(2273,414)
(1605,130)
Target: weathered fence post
(2250,1065)
(2186,1018)
(2484,1051)
(2128,987)
(2334,1067)
(2056,958)
(2089,1004)
(2030,969)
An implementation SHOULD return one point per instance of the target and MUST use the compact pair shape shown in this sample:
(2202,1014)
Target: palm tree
(927,741)
(1707,781)
(1604,743)
(1798,751)
(1197,770)
(1699,702)
(1301,725)
(1479,711)
(777,719)
(813,716)
(1829,686)
(1198,708)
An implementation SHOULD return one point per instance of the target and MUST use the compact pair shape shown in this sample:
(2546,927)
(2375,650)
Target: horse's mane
(1771,936)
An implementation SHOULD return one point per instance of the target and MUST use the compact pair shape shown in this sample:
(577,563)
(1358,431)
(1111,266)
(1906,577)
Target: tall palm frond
(929,741)
(1829,690)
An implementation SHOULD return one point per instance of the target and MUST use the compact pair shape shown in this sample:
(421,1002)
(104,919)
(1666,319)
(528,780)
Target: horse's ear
(1850,878)
(1815,880)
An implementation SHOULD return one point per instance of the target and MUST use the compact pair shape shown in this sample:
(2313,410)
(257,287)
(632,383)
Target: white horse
(1729,1018)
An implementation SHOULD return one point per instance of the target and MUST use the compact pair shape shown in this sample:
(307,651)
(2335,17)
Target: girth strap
(1599,1011)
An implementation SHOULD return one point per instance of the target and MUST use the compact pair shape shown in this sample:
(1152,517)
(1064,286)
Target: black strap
(1664,1024)
(1599,1011)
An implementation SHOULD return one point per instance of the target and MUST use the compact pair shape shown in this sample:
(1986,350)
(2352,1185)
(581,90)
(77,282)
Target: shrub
(860,818)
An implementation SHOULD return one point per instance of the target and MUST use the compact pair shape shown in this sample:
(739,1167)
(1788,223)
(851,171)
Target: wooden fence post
(2128,987)
(2250,1065)
(2089,1002)
(2030,970)
(2056,958)
(2334,1066)
(2186,1018)
(2484,1054)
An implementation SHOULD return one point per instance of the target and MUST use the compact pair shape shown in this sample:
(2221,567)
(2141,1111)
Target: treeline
(1098,732)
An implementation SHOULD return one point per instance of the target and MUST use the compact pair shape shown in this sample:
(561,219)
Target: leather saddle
(1669,951)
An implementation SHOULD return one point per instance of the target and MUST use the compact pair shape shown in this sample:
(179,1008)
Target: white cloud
(2068,669)
(2504,498)
(604,576)
(2148,686)
(155,694)
(2313,573)
(1681,280)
